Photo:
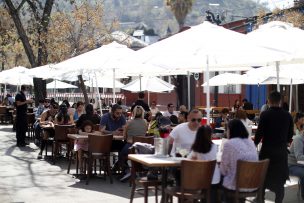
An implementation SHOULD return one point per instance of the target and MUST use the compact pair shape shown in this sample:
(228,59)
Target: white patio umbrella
(16,76)
(104,83)
(207,47)
(228,79)
(280,36)
(150,84)
(56,84)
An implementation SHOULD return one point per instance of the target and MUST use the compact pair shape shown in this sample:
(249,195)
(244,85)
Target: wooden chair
(99,148)
(196,178)
(30,124)
(250,175)
(143,139)
(3,113)
(143,181)
(60,138)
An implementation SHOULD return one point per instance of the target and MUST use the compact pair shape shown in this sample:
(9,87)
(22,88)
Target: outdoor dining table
(164,162)
(85,137)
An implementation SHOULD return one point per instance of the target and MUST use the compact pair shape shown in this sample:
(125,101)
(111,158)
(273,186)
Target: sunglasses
(198,120)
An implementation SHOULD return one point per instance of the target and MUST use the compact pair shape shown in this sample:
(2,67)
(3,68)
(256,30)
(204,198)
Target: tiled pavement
(23,178)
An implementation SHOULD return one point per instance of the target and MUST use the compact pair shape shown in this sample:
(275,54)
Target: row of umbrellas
(205,47)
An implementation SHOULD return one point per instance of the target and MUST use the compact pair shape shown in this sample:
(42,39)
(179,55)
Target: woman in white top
(242,115)
(204,149)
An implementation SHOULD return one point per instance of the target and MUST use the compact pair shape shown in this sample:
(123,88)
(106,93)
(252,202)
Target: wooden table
(85,137)
(155,161)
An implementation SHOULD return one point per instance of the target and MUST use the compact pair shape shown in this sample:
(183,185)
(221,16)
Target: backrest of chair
(30,118)
(100,143)
(73,130)
(196,174)
(143,139)
(2,110)
(251,174)
(61,132)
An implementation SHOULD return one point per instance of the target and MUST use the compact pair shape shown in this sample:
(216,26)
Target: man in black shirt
(140,102)
(21,116)
(275,129)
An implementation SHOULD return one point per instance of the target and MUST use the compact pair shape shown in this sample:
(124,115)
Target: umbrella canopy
(228,79)
(221,48)
(98,59)
(280,36)
(103,82)
(151,84)
(59,85)
(16,76)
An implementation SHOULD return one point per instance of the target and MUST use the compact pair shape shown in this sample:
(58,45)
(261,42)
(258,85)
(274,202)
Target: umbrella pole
(4,90)
(208,92)
(114,86)
(55,90)
(148,98)
(139,82)
(290,95)
(97,89)
(258,96)
(297,99)
(278,75)
(188,81)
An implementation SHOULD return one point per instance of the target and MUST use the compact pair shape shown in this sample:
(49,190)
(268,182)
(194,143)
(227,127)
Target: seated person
(63,117)
(297,154)
(183,135)
(82,145)
(298,124)
(89,115)
(242,115)
(79,110)
(135,127)
(170,111)
(47,119)
(173,119)
(153,125)
(44,105)
(182,117)
(237,147)
(114,123)
(220,121)
(204,149)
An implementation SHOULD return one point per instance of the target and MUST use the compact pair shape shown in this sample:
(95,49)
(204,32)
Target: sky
(272,4)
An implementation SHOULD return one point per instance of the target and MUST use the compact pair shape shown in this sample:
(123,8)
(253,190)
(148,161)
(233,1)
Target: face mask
(25,92)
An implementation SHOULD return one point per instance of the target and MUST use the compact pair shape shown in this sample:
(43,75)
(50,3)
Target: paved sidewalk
(23,178)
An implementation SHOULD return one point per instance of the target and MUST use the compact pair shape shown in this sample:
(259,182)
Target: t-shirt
(141,103)
(91,117)
(22,109)
(209,156)
(168,114)
(112,125)
(136,127)
(183,137)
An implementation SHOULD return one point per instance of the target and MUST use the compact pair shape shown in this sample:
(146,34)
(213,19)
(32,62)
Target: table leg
(164,184)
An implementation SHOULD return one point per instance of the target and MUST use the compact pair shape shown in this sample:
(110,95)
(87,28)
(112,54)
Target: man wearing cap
(21,116)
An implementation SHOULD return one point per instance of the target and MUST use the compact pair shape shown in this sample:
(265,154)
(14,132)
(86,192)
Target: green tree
(180,9)
(33,34)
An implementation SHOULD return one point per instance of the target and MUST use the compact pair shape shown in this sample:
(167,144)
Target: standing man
(276,130)
(140,102)
(21,116)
